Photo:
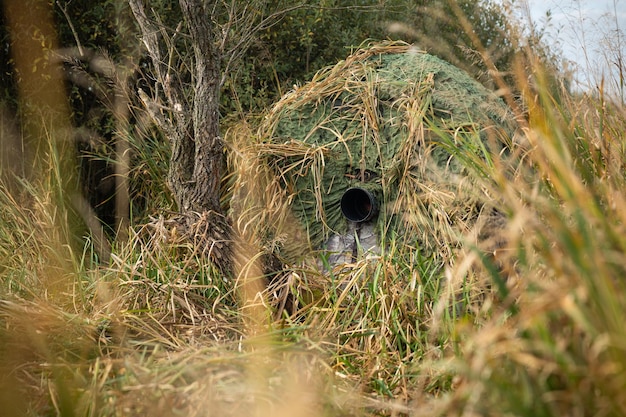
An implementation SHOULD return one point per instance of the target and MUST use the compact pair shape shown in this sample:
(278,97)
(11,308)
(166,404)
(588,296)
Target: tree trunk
(192,126)
(196,170)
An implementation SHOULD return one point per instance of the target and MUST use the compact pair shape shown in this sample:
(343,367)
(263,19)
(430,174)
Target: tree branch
(234,53)
(152,36)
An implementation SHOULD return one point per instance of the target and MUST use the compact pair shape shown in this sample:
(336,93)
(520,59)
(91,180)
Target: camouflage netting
(387,119)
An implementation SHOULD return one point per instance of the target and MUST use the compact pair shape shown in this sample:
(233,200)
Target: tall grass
(560,352)
(530,324)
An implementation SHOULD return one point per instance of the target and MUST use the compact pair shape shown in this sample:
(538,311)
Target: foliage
(310,38)
(159,330)
(304,41)
(8,94)
(530,326)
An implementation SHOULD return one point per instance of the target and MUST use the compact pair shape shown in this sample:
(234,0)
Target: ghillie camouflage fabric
(399,123)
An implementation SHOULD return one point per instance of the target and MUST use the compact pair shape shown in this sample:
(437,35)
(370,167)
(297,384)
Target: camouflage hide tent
(398,124)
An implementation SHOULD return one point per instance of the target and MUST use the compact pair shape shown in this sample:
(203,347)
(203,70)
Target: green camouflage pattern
(388,119)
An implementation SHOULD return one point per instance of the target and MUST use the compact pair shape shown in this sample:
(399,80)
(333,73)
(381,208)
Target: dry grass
(532,327)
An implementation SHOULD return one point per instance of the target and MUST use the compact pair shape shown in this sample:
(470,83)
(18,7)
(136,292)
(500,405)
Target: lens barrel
(358,205)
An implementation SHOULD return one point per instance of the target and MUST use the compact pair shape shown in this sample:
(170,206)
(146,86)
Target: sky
(590,33)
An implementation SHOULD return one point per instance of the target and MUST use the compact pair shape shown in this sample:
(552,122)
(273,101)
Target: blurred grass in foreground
(562,353)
